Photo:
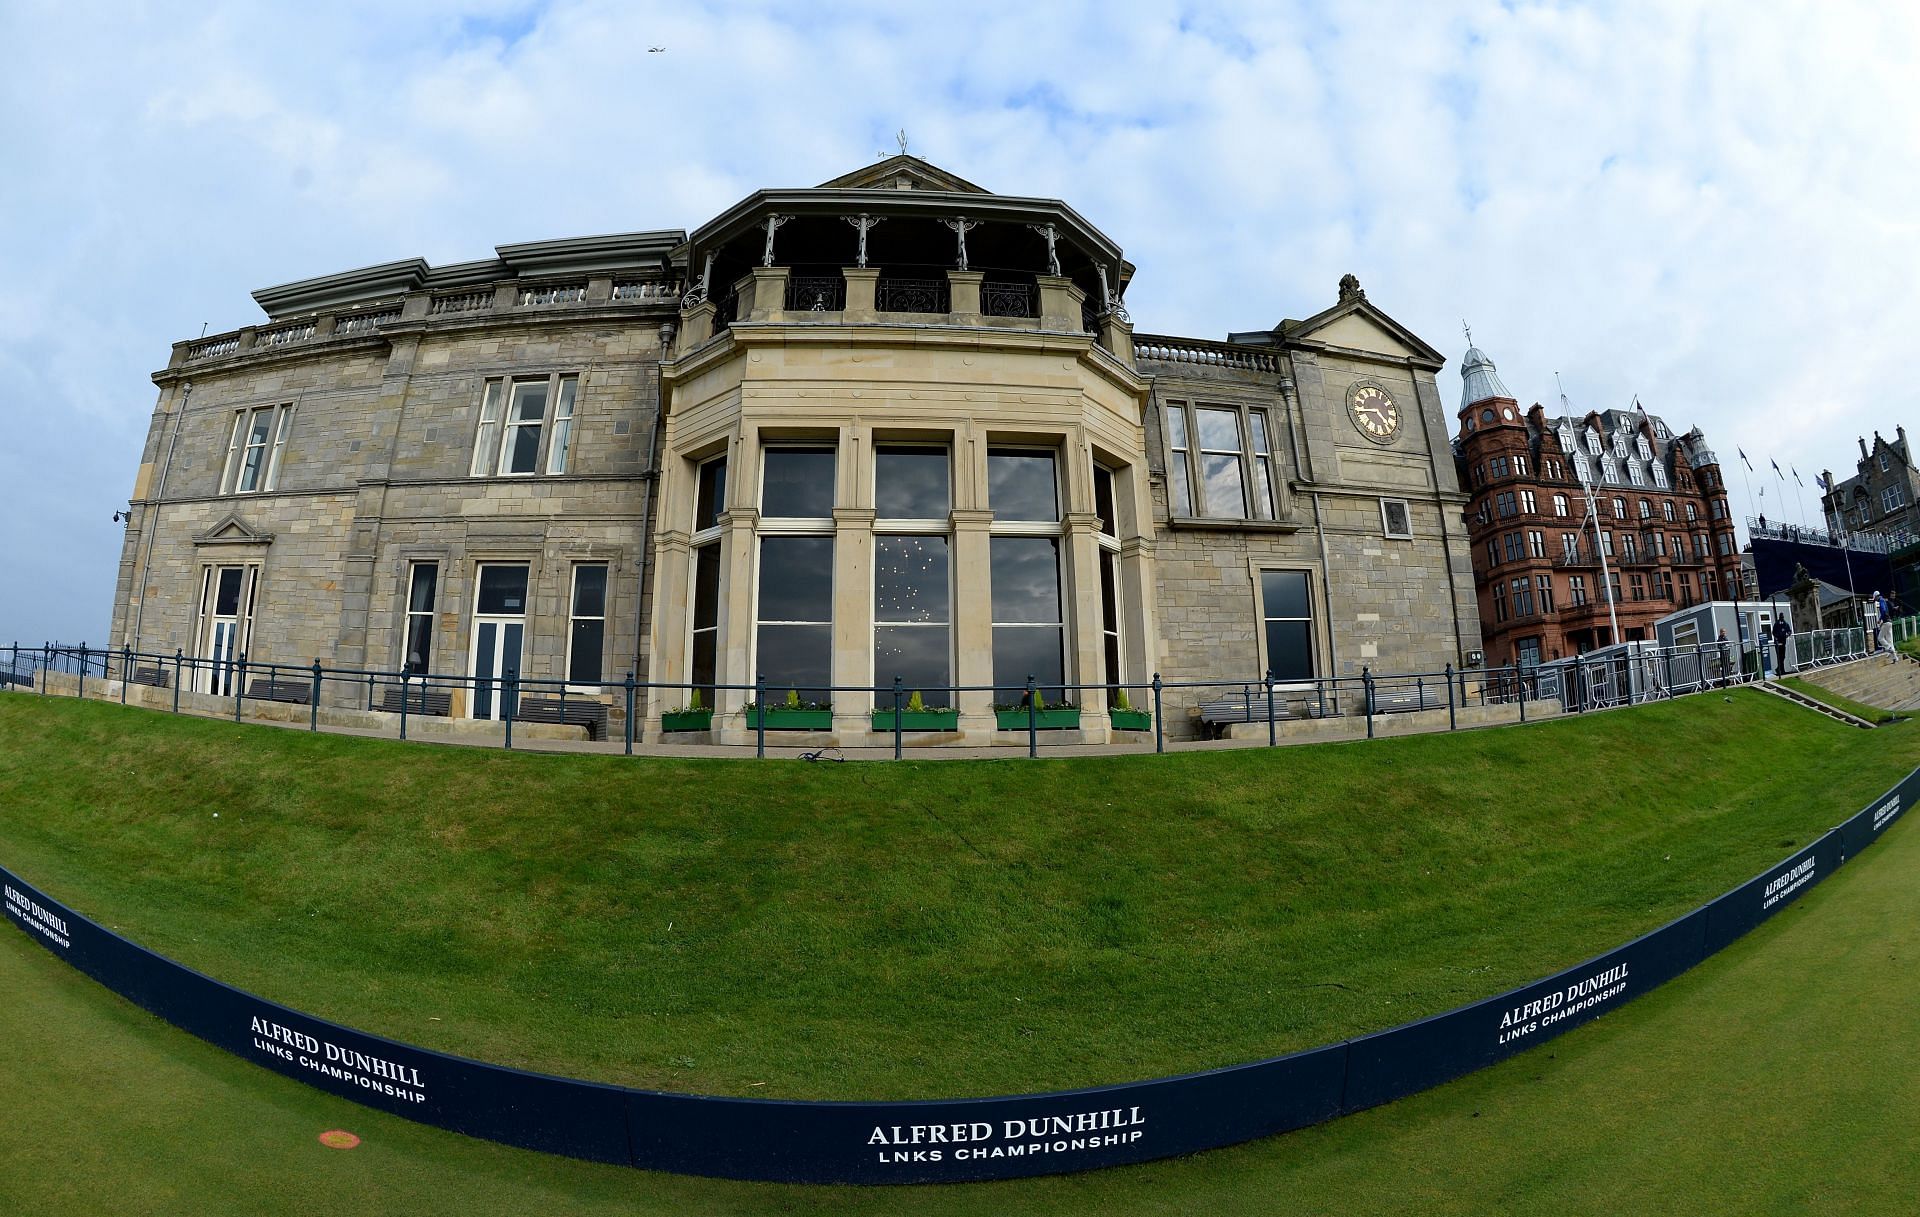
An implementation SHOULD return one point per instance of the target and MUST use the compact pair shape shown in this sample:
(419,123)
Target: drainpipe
(153,507)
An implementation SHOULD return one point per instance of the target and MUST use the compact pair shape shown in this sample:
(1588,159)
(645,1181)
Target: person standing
(1781,632)
(1883,627)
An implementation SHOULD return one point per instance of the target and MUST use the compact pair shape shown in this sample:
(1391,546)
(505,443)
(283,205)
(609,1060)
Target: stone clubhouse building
(893,426)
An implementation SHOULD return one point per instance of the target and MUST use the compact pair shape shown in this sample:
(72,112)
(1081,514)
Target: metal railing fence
(1047,712)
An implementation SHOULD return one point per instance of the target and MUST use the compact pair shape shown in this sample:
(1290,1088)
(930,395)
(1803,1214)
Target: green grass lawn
(915,929)
(1779,1077)
(1858,709)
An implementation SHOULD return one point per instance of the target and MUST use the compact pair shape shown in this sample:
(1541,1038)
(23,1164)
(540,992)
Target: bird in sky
(655,50)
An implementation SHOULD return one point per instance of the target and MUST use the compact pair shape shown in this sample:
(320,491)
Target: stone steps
(1874,681)
(1818,707)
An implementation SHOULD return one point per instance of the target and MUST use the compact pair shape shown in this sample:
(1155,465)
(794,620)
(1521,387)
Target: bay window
(1029,628)
(912,573)
(794,634)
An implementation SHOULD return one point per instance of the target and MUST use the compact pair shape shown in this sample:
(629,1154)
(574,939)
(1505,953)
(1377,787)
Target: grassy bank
(1859,709)
(1769,1080)
(914,929)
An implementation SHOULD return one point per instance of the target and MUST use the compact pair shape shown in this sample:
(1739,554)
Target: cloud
(1703,203)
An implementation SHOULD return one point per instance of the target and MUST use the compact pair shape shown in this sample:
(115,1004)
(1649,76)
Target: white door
(499,628)
(224,642)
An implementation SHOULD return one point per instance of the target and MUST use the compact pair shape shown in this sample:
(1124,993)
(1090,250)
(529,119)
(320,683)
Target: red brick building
(1553,579)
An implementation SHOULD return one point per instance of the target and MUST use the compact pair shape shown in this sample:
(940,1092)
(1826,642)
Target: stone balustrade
(1160,348)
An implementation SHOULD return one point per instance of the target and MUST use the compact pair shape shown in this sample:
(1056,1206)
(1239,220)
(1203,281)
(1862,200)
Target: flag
(1743,458)
(1822,483)
(1796,477)
(1776,470)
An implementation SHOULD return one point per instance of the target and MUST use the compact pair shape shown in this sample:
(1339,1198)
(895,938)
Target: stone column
(769,293)
(696,325)
(852,620)
(1060,303)
(1139,623)
(973,620)
(1117,336)
(861,282)
(963,296)
(667,633)
(736,614)
(1080,609)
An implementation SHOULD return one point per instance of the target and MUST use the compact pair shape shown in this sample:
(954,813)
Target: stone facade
(1883,495)
(373,428)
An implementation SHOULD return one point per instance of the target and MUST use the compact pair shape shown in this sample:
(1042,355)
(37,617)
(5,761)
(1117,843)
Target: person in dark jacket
(1781,632)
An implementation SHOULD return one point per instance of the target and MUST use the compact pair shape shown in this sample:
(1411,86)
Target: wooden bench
(1401,701)
(154,677)
(274,688)
(420,699)
(578,712)
(1249,705)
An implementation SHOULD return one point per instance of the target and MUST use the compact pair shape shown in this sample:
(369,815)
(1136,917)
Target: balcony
(1576,558)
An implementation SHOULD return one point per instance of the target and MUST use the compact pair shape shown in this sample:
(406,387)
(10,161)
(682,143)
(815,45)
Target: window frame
(1314,643)
(408,614)
(1387,529)
(574,617)
(915,526)
(495,425)
(1260,472)
(1054,530)
(271,448)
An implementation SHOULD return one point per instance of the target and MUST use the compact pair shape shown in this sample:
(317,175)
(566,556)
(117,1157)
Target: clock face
(1374,412)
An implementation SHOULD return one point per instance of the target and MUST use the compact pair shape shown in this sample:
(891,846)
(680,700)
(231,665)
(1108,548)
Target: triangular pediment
(903,172)
(1356,325)
(232,530)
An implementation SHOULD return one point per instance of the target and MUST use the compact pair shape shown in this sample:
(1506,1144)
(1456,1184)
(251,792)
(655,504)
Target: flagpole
(1799,499)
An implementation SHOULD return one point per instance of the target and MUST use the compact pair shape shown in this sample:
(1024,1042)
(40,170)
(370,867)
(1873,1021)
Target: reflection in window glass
(520,450)
(1289,624)
(710,498)
(911,483)
(1103,500)
(503,591)
(1177,460)
(796,617)
(706,620)
(1021,486)
(1027,631)
(420,597)
(911,597)
(798,483)
(1220,468)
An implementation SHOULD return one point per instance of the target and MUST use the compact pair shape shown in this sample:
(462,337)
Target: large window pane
(1290,649)
(503,591)
(918,654)
(1285,593)
(528,410)
(589,623)
(1026,579)
(911,483)
(910,579)
(1225,495)
(1103,501)
(1219,430)
(1020,651)
(706,587)
(798,483)
(796,658)
(796,579)
(1021,486)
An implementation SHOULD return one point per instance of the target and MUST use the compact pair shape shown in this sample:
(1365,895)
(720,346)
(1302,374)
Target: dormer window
(1644,448)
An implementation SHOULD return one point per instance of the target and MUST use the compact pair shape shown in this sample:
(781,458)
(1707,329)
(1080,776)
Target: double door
(499,630)
(226,609)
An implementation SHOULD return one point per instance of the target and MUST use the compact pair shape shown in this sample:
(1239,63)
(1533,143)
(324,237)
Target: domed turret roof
(1479,380)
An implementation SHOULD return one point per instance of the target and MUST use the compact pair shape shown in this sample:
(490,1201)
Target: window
(1577,589)
(1606,544)
(1499,602)
(794,626)
(1504,504)
(1522,597)
(1692,513)
(1613,587)
(1519,466)
(1883,460)
(1526,652)
(1657,544)
(1629,548)
(912,573)
(1619,509)
(1487,416)
(1104,501)
(1229,474)
(1286,607)
(1570,544)
(710,502)
(1396,520)
(1659,474)
(1646,510)
(1641,446)
(586,642)
(1890,498)
(1725,545)
(1666,509)
(1593,443)
(1543,584)
(499,635)
(422,583)
(1582,470)
(1537,544)
(1029,630)
(1639,585)
(509,441)
(1560,505)
(226,623)
(1512,543)
(1528,503)
(1706,585)
(1497,467)
(1635,473)
(1719,509)
(253,453)
(1556,471)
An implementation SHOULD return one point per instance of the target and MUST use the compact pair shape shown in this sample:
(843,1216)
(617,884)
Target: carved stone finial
(1350,289)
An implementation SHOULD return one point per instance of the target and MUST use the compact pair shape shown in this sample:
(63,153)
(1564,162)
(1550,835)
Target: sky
(1710,206)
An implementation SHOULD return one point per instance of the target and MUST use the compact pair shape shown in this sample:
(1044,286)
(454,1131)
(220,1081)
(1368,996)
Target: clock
(1374,412)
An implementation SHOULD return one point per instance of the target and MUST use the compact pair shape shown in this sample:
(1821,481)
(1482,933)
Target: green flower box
(918,720)
(1045,720)
(1130,720)
(687,720)
(779,718)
